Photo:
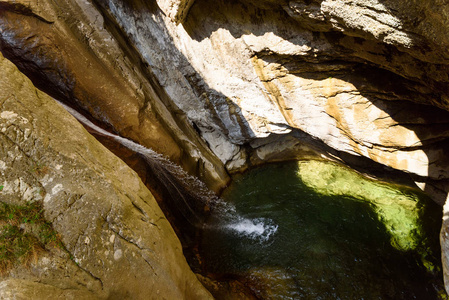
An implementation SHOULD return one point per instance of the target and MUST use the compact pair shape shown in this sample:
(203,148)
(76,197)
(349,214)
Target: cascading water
(186,189)
(228,219)
(287,247)
(189,190)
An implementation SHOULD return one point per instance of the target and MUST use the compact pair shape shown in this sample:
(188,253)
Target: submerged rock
(399,211)
(339,235)
(218,86)
(117,242)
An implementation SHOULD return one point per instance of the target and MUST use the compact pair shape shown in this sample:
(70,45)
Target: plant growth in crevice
(24,235)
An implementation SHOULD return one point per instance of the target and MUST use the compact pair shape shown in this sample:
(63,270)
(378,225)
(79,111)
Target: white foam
(259,228)
(254,228)
(248,227)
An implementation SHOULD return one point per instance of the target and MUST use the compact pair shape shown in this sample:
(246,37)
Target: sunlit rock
(218,86)
(117,242)
(399,211)
(176,10)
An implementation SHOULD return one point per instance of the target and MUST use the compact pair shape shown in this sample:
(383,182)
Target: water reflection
(338,235)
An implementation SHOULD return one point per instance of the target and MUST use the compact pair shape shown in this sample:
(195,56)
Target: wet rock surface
(68,52)
(218,86)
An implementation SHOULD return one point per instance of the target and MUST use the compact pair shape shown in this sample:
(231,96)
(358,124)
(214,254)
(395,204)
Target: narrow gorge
(124,120)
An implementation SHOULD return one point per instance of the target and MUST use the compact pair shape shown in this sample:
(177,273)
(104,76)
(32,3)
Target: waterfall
(228,219)
(190,190)
(181,186)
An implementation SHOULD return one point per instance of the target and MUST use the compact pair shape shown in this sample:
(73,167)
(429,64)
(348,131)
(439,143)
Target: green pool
(317,230)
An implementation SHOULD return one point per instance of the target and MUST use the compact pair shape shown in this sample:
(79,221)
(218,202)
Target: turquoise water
(298,231)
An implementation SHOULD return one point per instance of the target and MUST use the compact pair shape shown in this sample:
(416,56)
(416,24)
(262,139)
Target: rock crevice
(219,86)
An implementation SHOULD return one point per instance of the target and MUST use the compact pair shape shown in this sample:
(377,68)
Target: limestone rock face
(362,114)
(119,244)
(240,71)
(220,85)
(66,49)
(357,75)
(176,10)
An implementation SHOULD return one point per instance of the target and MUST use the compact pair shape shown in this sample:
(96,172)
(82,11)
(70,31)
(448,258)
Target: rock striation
(67,51)
(118,244)
(243,71)
(218,86)
(176,10)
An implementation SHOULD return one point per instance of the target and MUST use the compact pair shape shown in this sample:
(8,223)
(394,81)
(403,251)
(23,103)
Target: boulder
(69,50)
(218,86)
(117,242)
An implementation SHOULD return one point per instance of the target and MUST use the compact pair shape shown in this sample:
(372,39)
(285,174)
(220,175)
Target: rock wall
(218,86)
(271,80)
(65,49)
(118,243)
(246,70)
(211,87)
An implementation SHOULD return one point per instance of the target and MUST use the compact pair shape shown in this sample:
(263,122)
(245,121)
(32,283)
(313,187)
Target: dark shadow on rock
(253,20)
(212,99)
(403,102)
(241,18)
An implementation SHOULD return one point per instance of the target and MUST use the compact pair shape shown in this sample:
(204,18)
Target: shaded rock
(119,243)
(411,25)
(228,290)
(69,54)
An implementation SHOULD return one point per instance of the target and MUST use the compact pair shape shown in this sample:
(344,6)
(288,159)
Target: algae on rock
(398,208)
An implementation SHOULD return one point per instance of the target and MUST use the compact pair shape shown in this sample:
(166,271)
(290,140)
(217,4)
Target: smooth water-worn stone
(118,242)
(204,81)
(69,50)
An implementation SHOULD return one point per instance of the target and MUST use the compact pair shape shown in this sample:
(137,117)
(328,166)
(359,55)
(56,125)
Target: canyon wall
(66,50)
(117,242)
(368,79)
(215,88)
(218,86)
